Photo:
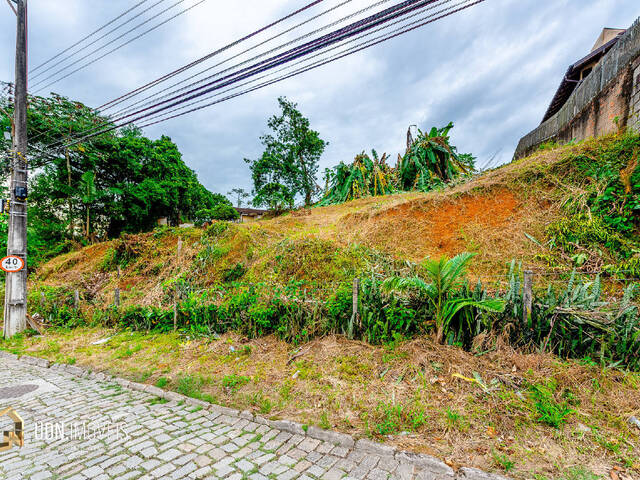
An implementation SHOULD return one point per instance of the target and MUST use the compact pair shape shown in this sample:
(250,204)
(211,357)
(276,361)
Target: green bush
(550,411)
(221,211)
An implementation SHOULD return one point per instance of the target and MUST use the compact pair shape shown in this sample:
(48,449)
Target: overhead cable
(89,36)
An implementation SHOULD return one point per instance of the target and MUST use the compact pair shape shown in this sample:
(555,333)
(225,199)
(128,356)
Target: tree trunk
(440,334)
(71,225)
(307,182)
(88,223)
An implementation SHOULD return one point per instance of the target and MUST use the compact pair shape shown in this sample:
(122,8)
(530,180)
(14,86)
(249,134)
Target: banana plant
(446,277)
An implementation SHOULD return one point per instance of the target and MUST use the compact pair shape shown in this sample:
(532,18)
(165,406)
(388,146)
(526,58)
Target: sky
(491,69)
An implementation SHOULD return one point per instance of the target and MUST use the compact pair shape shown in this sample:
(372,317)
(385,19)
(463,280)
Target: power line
(337,47)
(329,39)
(176,72)
(182,12)
(343,33)
(118,27)
(88,36)
(208,56)
(280,47)
(318,64)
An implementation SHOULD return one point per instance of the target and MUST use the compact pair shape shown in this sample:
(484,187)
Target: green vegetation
(222,211)
(289,162)
(366,176)
(443,293)
(119,182)
(549,410)
(429,162)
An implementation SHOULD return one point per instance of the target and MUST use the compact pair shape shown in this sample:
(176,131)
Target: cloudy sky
(491,69)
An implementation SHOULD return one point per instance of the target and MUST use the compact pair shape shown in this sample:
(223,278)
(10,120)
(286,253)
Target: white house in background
(250,214)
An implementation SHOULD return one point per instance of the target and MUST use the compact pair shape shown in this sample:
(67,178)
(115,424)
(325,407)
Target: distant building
(599,94)
(250,214)
(580,70)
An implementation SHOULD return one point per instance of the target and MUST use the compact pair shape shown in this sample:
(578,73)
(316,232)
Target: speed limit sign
(12,264)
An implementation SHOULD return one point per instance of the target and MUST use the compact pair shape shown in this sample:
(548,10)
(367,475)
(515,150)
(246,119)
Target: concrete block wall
(634,119)
(611,92)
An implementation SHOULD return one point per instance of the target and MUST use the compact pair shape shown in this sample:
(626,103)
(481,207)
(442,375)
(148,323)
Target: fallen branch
(297,355)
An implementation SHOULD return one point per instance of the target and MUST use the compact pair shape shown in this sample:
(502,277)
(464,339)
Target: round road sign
(12,264)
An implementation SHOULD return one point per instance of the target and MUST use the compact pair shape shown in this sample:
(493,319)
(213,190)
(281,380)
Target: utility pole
(15,303)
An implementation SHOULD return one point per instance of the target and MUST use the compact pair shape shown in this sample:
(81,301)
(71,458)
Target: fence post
(527,296)
(355,316)
(76,299)
(116,299)
(175,290)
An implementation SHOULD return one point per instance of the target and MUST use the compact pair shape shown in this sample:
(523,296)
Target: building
(579,71)
(599,94)
(250,214)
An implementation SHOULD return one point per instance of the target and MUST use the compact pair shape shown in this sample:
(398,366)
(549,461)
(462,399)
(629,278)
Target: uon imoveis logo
(10,437)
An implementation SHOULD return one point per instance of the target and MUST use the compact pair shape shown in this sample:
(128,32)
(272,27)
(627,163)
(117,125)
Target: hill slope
(501,215)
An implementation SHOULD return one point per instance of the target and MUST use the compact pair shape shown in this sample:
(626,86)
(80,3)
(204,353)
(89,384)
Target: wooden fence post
(355,316)
(175,290)
(527,296)
(76,299)
(116,299)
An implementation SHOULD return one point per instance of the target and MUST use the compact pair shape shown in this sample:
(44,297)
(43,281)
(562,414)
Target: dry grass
(489,215)
(347,385)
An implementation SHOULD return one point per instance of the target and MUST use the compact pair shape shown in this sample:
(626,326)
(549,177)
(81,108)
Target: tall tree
(117,182)
(240,195)
(289,163)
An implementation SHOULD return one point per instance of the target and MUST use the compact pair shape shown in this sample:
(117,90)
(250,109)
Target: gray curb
(430,467)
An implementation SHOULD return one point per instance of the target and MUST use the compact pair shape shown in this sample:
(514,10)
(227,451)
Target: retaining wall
(608,99)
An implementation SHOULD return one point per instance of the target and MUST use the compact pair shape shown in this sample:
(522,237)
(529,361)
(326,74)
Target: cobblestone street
(84,426)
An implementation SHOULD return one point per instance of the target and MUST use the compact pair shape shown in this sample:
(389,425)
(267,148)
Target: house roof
(571,79)
(250,211)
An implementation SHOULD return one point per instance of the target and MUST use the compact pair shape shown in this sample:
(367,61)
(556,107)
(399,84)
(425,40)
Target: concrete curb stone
(428,462)
(336,438)
(7,355)
(38,362)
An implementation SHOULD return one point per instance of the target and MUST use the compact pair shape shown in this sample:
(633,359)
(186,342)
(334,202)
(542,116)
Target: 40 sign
(12,264)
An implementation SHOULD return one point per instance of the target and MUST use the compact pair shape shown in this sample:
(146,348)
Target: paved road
(82,426)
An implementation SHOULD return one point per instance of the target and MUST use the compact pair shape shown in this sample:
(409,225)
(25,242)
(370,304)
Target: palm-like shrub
(443,290)
(431,160)
(366,176)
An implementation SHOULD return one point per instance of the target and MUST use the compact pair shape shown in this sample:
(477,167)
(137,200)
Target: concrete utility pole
(15,303)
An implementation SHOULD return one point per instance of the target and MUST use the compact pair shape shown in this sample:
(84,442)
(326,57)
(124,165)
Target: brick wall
(607,100)
(634,120)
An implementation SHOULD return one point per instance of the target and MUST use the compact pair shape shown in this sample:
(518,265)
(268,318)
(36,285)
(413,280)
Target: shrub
(234,382)
(221,211)
(549,410)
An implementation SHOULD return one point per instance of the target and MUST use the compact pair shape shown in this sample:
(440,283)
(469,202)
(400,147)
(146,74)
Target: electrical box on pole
(15,303)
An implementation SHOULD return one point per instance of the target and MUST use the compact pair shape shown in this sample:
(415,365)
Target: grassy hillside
(509,213)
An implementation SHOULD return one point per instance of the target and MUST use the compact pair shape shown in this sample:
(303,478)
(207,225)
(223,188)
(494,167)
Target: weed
(233,382)
(396,417)
(503,461)
(324,421)
(550,411)
(162,382)
(580,473)
(191,385)
(456,420)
